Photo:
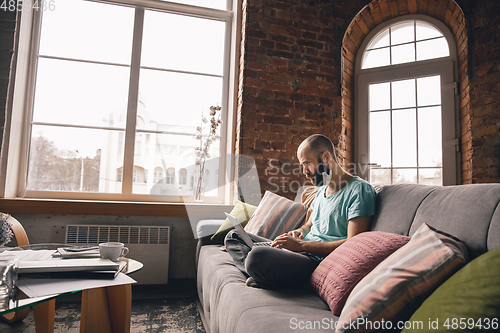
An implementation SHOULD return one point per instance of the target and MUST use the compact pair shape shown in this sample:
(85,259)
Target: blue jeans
(270,267)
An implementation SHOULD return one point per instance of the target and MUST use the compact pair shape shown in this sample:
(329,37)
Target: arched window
(405,112)
(170,179)
(139,175)
(158,175)
(182,176)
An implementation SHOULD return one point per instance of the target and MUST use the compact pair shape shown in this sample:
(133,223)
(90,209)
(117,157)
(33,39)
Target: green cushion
(242,211)
(473,293)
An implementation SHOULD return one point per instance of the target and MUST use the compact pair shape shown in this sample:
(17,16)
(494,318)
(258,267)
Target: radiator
(148,244)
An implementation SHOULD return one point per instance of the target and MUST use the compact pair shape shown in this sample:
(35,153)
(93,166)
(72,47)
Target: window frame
(444,66)
(18,124)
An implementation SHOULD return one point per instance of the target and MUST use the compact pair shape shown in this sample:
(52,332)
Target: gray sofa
(469,212)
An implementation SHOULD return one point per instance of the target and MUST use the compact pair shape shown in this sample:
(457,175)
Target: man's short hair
(318,144)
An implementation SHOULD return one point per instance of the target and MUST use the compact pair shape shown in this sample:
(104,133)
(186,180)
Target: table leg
(120,307)
(95,314)
(14,317)
(106,309)
(44,316)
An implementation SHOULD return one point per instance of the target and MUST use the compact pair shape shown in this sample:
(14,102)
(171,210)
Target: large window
(117,90)
(406,117)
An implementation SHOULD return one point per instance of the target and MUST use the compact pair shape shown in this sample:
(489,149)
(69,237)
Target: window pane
(380,96)
(404,176)
(403,47)
(217,4)
(429,137)
(181,162)
(403,94)
(426,31)
(57,154)
(403,53)
(430,176)
(381,40)
(380,176)
(82,30)
(429,90)
(183,43)
(376,58)
(78,93)
(177,100)
(434,48)
(380,138)
(404,138)
(402,33)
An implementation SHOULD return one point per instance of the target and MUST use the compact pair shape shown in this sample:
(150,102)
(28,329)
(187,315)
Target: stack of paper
(42,261)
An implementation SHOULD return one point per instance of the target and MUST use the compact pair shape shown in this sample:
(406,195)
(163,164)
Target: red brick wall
(290,83)
(298,79)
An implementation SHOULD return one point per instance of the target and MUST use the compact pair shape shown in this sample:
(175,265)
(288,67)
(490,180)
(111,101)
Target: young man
(342,209)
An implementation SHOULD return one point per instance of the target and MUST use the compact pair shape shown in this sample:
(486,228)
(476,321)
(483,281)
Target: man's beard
(318,177)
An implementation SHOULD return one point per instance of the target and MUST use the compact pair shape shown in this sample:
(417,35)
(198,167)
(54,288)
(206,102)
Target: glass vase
(199,183)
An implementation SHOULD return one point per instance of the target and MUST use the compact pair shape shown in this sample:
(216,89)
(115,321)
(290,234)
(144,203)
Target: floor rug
(170,315)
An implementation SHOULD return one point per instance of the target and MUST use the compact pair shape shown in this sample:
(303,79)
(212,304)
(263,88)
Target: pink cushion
(341,270)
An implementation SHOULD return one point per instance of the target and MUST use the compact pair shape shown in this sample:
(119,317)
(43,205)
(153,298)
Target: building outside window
(170,179)
(182,177)
(116,80)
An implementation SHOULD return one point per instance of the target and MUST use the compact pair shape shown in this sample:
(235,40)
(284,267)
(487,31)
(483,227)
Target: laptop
(243,234)
(68,265)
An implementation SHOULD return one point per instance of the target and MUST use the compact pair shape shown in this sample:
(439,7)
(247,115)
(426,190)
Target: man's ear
(326,157)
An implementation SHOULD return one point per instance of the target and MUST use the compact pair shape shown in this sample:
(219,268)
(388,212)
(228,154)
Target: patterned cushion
(276,215)
(467,301)
(242,211)
(341,270)
(399,284)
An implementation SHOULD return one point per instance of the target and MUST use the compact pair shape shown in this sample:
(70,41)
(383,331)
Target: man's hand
(288,242)
(297,233)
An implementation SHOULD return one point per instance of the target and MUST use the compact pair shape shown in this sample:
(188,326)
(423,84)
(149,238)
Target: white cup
(112,250)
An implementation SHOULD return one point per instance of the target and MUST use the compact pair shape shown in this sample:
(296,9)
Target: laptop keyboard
(262,244)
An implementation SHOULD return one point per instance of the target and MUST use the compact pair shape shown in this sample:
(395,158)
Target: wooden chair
(20,239)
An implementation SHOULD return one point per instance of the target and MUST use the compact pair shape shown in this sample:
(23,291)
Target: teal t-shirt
(331,215)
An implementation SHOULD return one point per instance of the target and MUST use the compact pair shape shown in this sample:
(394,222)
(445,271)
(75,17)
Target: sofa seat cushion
(229,304)
(465,211)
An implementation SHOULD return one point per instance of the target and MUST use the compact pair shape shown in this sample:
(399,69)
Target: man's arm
(287,241)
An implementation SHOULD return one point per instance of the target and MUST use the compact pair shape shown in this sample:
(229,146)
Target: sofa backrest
(468,212)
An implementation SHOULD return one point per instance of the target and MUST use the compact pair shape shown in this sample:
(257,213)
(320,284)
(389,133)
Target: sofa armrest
(206,228)
(204,231)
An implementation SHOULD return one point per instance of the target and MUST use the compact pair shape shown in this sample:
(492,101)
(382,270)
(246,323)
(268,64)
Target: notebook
(68,265)
(243,234)
(111,274)
(77,252)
